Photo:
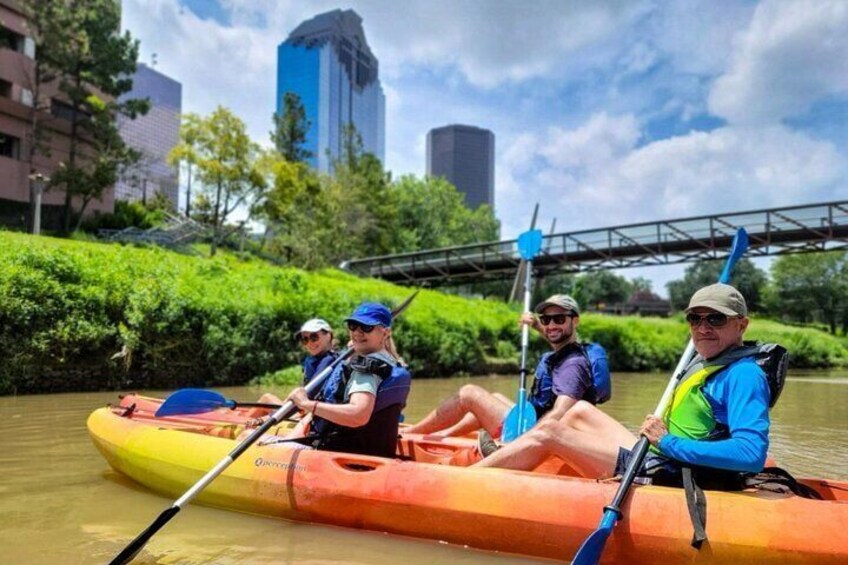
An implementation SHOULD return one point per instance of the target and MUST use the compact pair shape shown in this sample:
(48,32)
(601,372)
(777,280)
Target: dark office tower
(327,63)
(153,135)
(465,156)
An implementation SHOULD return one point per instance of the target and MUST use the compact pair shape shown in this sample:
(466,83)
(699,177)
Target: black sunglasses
(558,319)
(365,328)
(713,319)
(306,338)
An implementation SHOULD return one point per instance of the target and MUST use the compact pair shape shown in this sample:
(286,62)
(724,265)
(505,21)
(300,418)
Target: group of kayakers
(718,421)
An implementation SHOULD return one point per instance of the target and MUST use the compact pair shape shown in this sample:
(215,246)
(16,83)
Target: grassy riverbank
(80,316)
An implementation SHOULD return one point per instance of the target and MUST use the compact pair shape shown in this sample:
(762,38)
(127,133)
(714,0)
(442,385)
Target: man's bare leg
(585,438)
(487,409)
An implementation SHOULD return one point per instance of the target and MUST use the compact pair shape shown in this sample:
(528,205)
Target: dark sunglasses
(306,338)
(713,319)
(558,319)
(365,328)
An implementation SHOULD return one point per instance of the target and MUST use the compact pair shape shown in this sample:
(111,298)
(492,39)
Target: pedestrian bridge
(775,231)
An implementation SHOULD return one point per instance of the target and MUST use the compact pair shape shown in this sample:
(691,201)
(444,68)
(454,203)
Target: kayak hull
(536,514)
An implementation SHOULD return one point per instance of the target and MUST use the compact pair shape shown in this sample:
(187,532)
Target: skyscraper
(465,156)
(327,63)
(154,135)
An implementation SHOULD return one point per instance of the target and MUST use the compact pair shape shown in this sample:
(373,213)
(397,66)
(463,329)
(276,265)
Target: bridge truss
(775,231)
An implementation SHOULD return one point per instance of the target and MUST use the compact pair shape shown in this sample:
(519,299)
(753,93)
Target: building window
(5,89)
(10,146)
(11,40)
(65,111)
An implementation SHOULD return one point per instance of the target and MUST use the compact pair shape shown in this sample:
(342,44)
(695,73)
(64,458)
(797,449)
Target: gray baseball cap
(721,298)
(562,300)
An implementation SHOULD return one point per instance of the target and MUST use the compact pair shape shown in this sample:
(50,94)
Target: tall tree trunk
(215,226)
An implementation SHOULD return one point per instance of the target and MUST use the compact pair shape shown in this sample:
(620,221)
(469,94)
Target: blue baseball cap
(371,314)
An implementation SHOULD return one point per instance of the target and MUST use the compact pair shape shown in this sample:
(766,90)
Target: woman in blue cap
(358,408)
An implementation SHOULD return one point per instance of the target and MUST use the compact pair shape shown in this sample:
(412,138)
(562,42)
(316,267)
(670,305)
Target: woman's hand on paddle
(654,429)
(300,399)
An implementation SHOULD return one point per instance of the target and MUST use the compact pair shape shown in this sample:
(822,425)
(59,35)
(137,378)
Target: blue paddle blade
(740,245)
(529,244)
(592,548)
(517,423)
(192,401)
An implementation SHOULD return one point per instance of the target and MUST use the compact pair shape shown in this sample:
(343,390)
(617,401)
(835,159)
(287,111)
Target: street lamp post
(39,181)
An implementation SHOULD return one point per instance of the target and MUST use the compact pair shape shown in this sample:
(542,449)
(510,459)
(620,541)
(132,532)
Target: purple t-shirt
(573,376)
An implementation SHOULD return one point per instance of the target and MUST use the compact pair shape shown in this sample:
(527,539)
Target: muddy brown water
(61,503)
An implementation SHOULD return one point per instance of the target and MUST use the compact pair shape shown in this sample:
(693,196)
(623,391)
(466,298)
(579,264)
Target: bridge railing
(772,231)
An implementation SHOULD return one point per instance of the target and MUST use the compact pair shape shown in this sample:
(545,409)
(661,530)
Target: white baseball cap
(315,325)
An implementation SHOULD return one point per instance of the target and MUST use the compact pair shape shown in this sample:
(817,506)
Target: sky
(605,112)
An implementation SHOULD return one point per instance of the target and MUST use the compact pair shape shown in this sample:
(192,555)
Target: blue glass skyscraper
(327,63)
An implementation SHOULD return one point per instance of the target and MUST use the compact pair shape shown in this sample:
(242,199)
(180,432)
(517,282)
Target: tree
(111,155)
(45,25)
(747,278)
(431,213)
(601,287)
(186,151)
(228,167)
(91,59)
(811,287)
(290,130)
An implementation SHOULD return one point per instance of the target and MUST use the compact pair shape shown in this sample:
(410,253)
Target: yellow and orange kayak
(425,493)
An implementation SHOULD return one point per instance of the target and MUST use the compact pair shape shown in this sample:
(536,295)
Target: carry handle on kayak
(592,548)
(287,409)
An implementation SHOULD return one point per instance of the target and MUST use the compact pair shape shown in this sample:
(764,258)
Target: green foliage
(127,214)
(747,278)
(811,288)
(89,316)
(289,376)
(82,316)
(227,163)
(601,287)
(431,213)
(290,130)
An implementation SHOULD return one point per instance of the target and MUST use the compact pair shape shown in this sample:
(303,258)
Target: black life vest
(379,435)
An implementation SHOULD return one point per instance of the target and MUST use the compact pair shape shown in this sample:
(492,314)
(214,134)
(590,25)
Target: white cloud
(793,54)
(595,175)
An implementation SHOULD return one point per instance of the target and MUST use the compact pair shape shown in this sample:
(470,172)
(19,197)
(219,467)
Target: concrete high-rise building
(465,156)
(25,166)
(327,63)
(154,135)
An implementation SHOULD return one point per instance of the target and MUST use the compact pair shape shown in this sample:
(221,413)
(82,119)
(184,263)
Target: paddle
(198,401)
(522,416)
(590,552)
(284,411)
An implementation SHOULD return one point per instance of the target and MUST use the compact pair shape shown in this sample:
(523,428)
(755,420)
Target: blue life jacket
(314,364)
(542,396)
(379,435)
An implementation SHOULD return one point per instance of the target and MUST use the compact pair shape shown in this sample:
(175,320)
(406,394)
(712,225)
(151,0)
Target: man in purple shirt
(563,377)
(732,435)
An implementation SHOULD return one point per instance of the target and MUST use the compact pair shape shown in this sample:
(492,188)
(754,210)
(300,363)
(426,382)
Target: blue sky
(606,112)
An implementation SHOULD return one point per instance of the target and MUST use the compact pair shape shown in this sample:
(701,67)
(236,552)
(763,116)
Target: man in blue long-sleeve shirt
(718,417)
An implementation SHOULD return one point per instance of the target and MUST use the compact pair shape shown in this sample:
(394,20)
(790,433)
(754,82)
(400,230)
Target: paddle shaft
(287,409)
(525,342)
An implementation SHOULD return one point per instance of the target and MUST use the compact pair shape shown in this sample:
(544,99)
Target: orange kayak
(426,492)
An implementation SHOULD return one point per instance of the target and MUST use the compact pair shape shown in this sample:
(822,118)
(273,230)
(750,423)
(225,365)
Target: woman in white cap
(316,336)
